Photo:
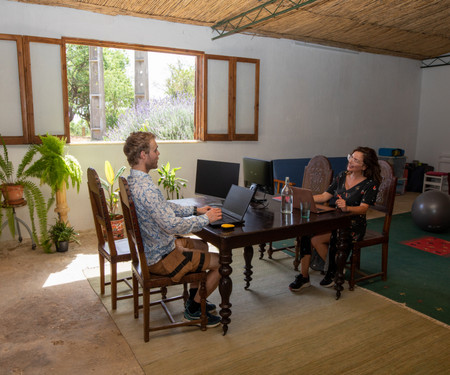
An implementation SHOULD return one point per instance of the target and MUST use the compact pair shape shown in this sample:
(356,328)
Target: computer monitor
(214,178)
(258,174)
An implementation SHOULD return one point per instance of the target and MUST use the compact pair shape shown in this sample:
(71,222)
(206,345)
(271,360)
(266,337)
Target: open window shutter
(231,98)
(46,81)
(13,119)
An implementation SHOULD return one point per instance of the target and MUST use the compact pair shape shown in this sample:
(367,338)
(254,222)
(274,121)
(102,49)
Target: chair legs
(384,261)
(101,262)
(270,251)
(135,297)
(146,303)
(113,285)
(356,265)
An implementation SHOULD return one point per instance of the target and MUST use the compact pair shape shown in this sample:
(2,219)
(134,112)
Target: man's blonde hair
(135,144)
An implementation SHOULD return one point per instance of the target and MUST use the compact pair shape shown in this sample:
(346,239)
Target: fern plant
(54,167)
(172,184)
(33,195)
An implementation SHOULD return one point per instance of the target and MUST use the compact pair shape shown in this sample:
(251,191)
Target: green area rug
(417,278)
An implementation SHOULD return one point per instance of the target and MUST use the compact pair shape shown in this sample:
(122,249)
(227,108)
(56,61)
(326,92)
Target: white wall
(434,121)
(312,100)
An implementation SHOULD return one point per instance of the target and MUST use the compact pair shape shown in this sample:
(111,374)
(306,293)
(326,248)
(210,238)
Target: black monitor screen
(215,178)
(258,173)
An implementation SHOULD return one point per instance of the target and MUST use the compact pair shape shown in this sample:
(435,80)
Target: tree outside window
(143,91)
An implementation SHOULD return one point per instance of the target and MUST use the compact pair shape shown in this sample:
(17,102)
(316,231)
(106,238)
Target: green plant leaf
(109,172)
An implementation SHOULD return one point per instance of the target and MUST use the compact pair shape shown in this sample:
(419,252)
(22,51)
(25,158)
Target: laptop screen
(238,199)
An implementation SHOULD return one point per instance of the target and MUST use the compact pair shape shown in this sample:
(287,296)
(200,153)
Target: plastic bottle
(287,198)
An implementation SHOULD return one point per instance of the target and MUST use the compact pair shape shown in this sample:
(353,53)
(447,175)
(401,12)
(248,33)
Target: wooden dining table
(265,223)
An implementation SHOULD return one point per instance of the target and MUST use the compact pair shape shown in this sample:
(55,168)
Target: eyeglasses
(356,161)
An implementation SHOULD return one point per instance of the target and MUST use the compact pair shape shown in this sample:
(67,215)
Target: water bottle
(287,198)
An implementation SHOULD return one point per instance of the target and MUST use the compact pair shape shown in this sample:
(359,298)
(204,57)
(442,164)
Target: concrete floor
(52,322)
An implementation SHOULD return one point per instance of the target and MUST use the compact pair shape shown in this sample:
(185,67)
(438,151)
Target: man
(159,222)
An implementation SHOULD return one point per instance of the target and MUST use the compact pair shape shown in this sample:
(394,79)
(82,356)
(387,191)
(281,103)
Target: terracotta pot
(13,194)
(118,227)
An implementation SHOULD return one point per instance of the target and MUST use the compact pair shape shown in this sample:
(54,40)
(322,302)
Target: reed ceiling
(408,28)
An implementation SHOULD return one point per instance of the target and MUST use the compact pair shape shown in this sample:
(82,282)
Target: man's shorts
(189,255)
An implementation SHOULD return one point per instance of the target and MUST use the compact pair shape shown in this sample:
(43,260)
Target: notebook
(306,195)
(235,205)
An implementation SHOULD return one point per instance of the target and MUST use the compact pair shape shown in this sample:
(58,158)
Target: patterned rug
(432,245)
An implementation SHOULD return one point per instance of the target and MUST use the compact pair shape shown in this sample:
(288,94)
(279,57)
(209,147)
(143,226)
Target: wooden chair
(316,177)
(385,204)
(108,249)
(279,184)
(142,276)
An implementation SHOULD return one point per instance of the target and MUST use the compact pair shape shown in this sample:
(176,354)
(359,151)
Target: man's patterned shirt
(159,220)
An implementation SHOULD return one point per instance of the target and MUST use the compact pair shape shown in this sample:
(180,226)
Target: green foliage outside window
(181,81)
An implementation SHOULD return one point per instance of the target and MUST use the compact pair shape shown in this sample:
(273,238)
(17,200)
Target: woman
(353,190)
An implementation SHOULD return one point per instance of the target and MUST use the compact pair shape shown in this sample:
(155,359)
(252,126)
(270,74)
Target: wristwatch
(195,211)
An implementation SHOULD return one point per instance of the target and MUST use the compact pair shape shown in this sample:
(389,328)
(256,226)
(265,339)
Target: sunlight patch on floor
(73,272)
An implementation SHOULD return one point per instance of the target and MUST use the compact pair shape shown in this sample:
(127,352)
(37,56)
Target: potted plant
(61,233)
(31,194)
(172,184)
(55,168)
(112,199)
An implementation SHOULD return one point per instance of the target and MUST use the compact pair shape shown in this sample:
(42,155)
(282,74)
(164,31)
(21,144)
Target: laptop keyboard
(226,219)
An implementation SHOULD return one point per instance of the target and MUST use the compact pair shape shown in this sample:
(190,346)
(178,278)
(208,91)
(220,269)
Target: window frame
(24,138)
(231,134)
(200,105)
(27,40)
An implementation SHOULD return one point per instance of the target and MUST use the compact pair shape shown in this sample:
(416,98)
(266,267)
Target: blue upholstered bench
(294,168)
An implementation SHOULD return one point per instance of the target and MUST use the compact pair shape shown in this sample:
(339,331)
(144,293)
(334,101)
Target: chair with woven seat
(316,177)
(385,204)
(143,278)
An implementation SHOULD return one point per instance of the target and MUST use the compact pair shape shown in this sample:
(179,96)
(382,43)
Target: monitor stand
(254,187)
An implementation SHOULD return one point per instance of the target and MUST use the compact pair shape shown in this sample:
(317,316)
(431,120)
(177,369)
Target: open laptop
(235,205)
(306,195)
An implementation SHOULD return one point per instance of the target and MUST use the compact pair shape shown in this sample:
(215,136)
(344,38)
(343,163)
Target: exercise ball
(431,211)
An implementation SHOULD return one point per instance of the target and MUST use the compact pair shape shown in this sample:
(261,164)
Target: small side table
(18,221)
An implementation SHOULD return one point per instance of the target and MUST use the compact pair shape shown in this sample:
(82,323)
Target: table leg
(248,256)
(225,287)
(343,244)
(262,249)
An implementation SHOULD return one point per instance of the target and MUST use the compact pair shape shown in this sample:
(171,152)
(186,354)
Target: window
(95,90)
(232,98)
(114,91)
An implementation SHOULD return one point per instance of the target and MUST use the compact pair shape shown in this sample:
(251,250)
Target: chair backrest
(100,211)
(386,193)
(279,184)
(387,188)
(317,175)
(132,227)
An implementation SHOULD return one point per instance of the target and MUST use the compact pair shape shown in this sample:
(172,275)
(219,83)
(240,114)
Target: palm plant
(33,195)
(108,184)
(172,184)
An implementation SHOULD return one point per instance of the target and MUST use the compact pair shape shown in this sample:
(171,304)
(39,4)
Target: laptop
(306,195)
(235,205)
